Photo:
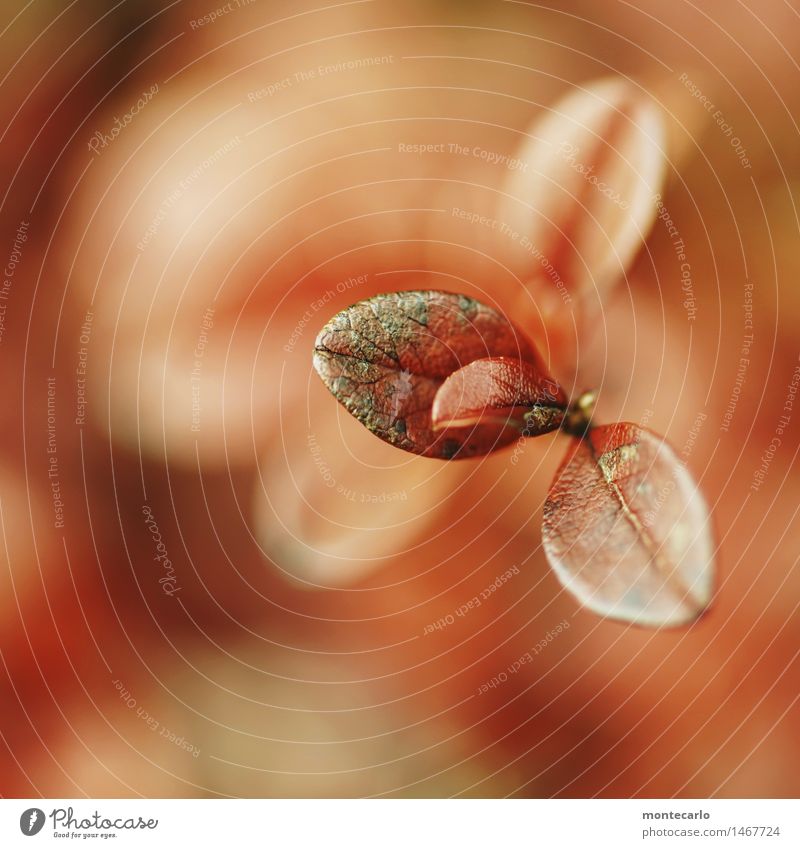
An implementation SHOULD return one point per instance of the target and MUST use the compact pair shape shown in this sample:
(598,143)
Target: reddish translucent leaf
(627,531)
(491,402)
(385,358)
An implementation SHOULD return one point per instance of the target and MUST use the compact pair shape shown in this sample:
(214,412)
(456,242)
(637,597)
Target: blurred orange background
(199,190)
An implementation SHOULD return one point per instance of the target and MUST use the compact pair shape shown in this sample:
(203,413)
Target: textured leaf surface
(491,402)
(627,531)
(385,358)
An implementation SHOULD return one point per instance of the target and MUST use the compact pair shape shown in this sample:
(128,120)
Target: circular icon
(31,821)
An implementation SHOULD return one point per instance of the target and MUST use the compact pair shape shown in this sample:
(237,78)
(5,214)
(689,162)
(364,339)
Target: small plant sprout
(625,529)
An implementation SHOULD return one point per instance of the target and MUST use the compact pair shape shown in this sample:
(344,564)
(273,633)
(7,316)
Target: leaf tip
(627,531)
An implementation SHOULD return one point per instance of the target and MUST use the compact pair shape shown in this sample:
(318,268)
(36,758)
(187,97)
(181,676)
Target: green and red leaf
(386,358)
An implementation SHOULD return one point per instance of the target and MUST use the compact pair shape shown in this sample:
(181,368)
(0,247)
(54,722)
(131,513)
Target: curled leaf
(491,402)
(585,203)
(627,531)
(385,359)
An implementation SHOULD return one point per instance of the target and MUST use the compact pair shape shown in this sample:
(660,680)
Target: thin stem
(578,419)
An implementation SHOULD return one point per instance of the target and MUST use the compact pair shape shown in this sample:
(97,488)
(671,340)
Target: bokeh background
(189,191)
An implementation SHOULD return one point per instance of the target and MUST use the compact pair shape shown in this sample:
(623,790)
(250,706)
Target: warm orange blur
(217,582)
